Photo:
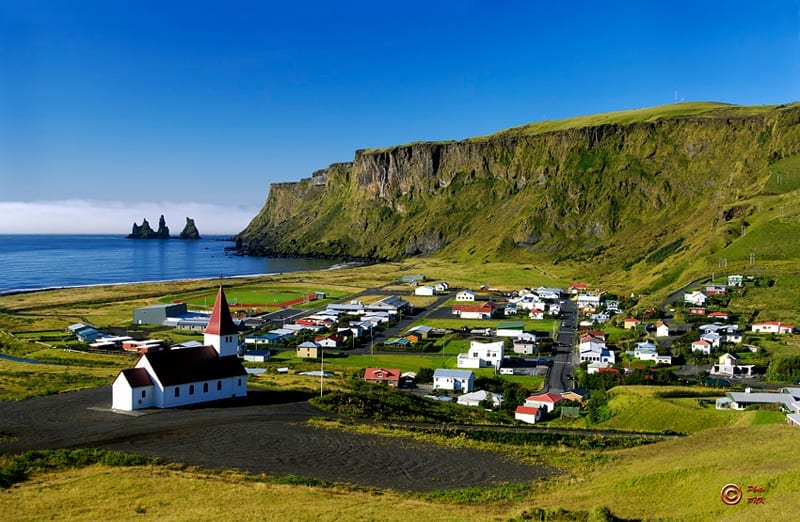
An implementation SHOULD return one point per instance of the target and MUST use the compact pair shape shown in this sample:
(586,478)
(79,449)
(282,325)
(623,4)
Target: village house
(588,302)
(425,290)
(713,338)
(524,346)
(728,367)
(536,313)
(697,310)
(662,329)
(578,395)
(466,295)
(702,347)
(695,298)
(308,350)
(483,310)
(646,351)
(256,356)
(576,288)
(510,329)
(546,402)
(170,378)
(461,381)
(388,376)
(631,323)
(716,289)
(593,348)
(329,341)
(735,280)
(772,327)
(477,397)
(482,355)
(527,414)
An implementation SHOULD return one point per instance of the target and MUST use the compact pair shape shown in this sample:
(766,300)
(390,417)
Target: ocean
(31,262)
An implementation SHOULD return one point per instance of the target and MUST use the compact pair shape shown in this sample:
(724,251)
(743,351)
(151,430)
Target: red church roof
(221,322)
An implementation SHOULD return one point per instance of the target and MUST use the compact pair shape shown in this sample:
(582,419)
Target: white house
(544,401)
(527,414)
(465,295)
(482,355)
(185,376)
(713,338)
(475,398)
(702,347)
(524,346)
(424,290)
(646,351)
(735,280)
(728,367)
(597,352)
(695,298)
(588,301)
(772,327)
(662,329)
(453,380)
(536,313)
(510,329)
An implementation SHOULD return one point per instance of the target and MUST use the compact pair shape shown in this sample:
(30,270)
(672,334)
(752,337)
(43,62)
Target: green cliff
(626,190)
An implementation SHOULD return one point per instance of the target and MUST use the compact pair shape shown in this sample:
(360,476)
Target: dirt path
(263,434)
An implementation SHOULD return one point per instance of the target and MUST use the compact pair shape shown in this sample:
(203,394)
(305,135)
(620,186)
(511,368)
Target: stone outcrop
(190,230)
(144,231)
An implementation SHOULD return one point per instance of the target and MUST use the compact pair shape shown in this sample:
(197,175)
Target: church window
(205,387)
(144,393)
(219,385)
(239,383)
(177,391)
(191,389)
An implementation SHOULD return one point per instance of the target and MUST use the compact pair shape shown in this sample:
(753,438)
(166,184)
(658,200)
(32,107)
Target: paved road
(559,378)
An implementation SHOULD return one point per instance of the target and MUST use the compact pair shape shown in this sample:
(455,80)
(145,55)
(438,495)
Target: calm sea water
(30,262)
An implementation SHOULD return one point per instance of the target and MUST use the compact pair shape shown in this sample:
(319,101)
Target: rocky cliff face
(623,185)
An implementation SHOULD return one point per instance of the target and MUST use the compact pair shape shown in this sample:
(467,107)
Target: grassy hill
(657,196)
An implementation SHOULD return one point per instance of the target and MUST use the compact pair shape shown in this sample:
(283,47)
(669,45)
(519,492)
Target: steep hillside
(653,191)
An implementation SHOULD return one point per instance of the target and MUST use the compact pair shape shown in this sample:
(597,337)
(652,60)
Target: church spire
(221,322)
(221,332)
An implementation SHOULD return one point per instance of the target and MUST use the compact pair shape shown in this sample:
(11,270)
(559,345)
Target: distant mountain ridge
(611,191)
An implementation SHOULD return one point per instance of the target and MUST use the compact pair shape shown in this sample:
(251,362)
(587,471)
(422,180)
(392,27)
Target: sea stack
(190,230)
(146,232)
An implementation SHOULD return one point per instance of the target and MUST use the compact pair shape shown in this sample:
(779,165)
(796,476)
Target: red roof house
(390,376)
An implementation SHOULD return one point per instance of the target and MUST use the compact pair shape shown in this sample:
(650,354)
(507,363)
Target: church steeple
(221,332)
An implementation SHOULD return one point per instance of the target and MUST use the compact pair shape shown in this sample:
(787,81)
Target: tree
(425,375)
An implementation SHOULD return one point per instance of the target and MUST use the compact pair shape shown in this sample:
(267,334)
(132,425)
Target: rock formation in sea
(146,232)
(190,230)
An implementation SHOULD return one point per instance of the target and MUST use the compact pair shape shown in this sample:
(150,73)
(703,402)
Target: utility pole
(321,368)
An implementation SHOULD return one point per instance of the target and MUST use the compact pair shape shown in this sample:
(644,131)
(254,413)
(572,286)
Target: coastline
(339,266)
(35,263)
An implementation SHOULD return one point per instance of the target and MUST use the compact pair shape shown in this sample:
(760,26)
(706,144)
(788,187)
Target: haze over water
(29,262)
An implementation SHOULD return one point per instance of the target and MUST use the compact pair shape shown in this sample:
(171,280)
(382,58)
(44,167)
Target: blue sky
(114,109)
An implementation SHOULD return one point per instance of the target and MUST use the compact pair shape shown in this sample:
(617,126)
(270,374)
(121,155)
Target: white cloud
(117,217)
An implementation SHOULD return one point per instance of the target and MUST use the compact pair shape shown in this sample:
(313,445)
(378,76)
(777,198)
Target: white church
(185,376)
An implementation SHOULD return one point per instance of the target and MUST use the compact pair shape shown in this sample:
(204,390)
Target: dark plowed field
(264,433)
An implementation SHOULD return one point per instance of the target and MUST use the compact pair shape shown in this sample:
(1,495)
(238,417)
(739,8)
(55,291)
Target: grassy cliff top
(702,110)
